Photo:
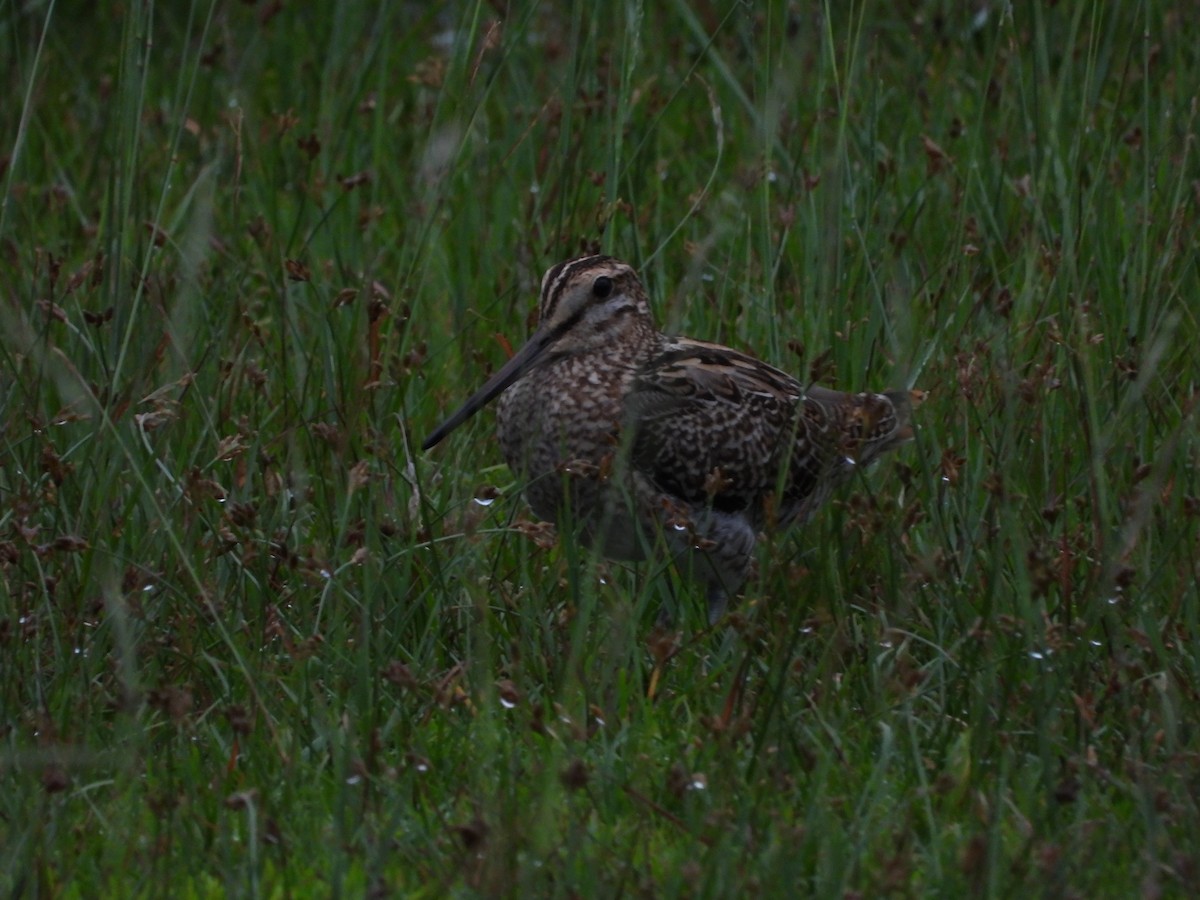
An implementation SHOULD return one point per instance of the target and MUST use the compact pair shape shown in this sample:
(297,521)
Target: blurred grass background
(253,642)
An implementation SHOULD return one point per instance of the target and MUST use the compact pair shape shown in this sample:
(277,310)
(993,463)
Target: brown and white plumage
(642,440)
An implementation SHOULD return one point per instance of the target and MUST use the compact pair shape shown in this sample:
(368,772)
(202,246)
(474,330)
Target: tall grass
(253,642)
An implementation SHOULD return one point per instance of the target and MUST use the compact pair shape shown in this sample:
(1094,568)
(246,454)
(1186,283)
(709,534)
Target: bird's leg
(718,600)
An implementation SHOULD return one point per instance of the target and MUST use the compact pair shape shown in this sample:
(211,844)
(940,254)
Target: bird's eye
(602,287)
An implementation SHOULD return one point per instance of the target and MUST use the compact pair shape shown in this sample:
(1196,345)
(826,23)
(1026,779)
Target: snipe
(645,441)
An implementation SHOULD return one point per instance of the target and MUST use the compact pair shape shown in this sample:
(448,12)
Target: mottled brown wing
(712,425)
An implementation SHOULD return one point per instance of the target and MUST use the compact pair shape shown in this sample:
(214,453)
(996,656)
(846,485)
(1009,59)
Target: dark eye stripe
(561,276)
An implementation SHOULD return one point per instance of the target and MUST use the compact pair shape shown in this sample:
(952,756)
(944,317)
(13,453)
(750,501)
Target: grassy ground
(252,641)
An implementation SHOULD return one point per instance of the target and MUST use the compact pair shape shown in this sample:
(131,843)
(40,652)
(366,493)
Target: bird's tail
(871,424)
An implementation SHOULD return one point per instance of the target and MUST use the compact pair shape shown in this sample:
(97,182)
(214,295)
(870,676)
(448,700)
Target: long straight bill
(509,372)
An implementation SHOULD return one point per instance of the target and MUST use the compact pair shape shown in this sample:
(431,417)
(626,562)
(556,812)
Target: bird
(643,443)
